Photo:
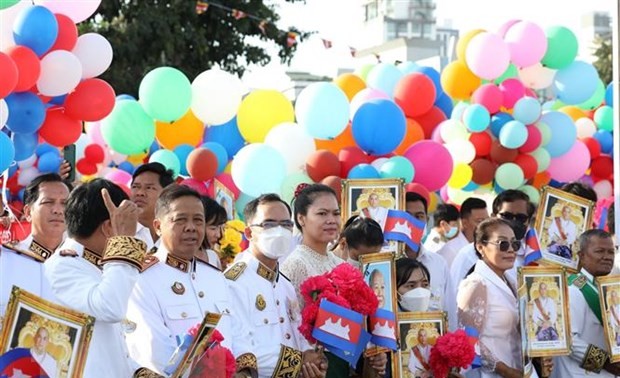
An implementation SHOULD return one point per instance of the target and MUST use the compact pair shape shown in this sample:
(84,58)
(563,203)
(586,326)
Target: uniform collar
(88,254)
(40,250)
(587,275)
(261,269)
(173,261)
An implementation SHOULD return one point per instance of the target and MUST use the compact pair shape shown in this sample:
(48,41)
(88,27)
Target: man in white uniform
(374,211)
(21,264)
(562,234)
(446,227)
(176,292)
(589,354)
(95,269)
(419,357)
(544,315)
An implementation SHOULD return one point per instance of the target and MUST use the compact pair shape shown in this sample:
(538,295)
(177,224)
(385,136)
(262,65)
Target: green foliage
(146,34)
(604,62)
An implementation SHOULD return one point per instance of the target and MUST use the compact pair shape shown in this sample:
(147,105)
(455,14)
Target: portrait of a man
(377,284)
(614,316)
(420,356)
(374,210)
(544,315)
(562,234)
(40,354)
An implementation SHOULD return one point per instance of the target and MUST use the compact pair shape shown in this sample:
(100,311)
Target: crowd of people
(146,267)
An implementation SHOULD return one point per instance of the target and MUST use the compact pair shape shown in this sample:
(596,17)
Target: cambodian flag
(382,326)
(19,362)
(472,333)
(401,226)
(533,252)
(341,331)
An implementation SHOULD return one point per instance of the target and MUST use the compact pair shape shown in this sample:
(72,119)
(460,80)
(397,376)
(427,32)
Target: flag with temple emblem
(532,252)
(341,330)
(291,39)
(19,362)
(238,15)
(201,7)
(327,43)
(472,333)
(353,51)
(402,227)
(382,326)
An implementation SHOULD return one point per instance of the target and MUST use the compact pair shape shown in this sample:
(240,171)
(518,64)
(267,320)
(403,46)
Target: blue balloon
(384,77)
(527,110)
(127,167)
(46,147)
(220,153)
(227,135)
(379,126)
(432,74)
(154,147)
(58,100)
(407,67)
(49,162)
(470,187)
(444,102)
(476,117)
(182,151)
(605,139)
(12,168)
(609,94)
(513,134)
(498,121)
(575,83)
(125,96)
(563,133)
(7,152)
(35,27)
(26,112)
(363,171)
(20,194)
(25,145)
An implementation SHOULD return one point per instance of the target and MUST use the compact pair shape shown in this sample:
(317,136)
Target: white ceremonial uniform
(416,367)
(452,248)
(47,362)
(586,329)
(21,265)
(379,214)
(170,297)
(267,302)
(82,285)
(568,228)
(547,305)
(144,234)
(434,241)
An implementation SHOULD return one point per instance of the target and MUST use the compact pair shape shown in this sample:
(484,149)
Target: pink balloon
(226,179)
(93,130)
(443,193)
(490,96)
(118,176)
(76,10)
(534,138)
(505,26)
(363,96)
(198,186)
(513,90)
(572,165)
(527,43)
(487,56)
(432,176)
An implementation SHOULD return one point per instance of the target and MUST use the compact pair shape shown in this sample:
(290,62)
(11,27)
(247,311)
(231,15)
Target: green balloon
(509,176)
(545,132)
(562,47)
(510,72)
(7,3)
(364,70)
(398,167)
(531,192)
(604,118)
(290,184)
(128,129)
(596,99)
(166,94)
(542,158)
(168,159)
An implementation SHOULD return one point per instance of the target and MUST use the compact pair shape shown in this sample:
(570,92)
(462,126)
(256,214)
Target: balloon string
(5,200)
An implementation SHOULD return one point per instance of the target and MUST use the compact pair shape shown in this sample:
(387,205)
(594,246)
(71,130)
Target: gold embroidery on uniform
(235,271)
(125,248)
(247,361)
(27,252)
(266,273)
(92,257)
(260,302)
(40,250)
(595,359)
(146,373)
(289,363)
(177,263)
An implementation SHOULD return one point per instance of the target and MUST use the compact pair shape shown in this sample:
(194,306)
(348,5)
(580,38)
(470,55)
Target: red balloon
(414,187)
(602,167)
(350,157)
(528,165)
(92,100)
(202,164)
(593,146)
(482,143)
(28,67)
(501,154)
(335,183)
(85,167)
(59,129)
(430,120)
(67,33)
(197,185)
(8,78)
(533,141)
(322,163)
(94,153)
(483,171)
(415,94)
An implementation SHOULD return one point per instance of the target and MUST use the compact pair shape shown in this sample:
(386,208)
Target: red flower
(312,287)
(217,361)
(345,276)
(194,330)
(216,337)
(308,317)
(452,350)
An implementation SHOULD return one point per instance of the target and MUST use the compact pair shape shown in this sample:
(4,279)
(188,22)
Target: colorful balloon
(562,47)
(254,122)
(258,168)
(415,93)
(379,126)
(487,56)
(128,129)
(36,28)
(432,176)
(322,110)
(155,94)
(216,96)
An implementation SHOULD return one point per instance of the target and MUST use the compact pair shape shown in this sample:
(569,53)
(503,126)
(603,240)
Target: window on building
(372,10)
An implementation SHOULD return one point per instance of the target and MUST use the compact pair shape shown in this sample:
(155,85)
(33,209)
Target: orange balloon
(574,112)
(414,134)
(350,84)
(461,45)
(458,81)
(541,179)
(137,159)
(345,139)
(186,130)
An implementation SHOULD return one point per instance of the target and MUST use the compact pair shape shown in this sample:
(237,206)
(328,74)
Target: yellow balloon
(137,159)
(574,112)
(461,176)
(186,130)
(434,201)
(260,111)
(461,45)
(228,168)
(458,81)
(350,84)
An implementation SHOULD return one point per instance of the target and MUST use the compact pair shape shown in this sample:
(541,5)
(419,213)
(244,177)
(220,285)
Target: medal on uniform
(178,288)
(260,302)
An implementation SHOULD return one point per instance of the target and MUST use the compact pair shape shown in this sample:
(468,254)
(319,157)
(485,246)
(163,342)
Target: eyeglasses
(273,224)
(504,245)
(523,218)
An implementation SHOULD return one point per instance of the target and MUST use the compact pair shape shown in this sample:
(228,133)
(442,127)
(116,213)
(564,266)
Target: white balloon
(216,96)
(27,162)
(378,163)
(80,145)
(7,16)
(452,129)
(603,189)
(537,76)
(462,151)
(294,143)
(61,72)
(4,113)
(585,127)
(27,175)
(95,54)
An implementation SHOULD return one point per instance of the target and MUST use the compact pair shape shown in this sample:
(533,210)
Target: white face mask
(451,232)
(275,242)
(416,300)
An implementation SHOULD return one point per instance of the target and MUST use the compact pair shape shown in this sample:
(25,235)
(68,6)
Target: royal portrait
(418,333)
(224,198)
(609,297)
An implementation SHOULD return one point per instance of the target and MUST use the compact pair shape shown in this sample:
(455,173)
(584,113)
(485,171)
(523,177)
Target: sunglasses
(505,245)
(523,218)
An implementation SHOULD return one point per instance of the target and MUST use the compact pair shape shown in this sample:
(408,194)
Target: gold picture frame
(68,332)
(546,315)
(609,296)
(198,345)
(225,198)
(410,327)
(390,194)
(560,219)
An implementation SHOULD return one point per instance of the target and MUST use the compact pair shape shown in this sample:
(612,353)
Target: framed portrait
(373,199)
(55,336)
(544,310)
(609,296)
(526,360)
(418,332)
(198,347)
(225,198)
(561,218)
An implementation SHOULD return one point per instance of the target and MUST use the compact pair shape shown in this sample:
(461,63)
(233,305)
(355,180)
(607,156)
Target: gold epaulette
(206,262)
(235,271)
(27,253)
(149,261)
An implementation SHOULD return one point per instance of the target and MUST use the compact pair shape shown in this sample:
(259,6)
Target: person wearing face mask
(361,236)
(446,227)
(412,285)
(266,298)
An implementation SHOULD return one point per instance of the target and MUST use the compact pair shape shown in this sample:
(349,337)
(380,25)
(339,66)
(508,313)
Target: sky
(339,21)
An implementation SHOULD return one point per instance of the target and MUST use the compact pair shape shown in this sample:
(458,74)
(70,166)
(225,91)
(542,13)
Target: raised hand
(123,218)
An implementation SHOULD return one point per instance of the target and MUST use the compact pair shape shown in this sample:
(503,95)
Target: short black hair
(215,214)
(405,266)
(31,193)
(306,198)
(586,237)
(250,209)
(170,194)
(415,197)
(445,212)
(510,195)
(611,221)
(166,176)
(485,228)
(580,189)
(85,210)
(470,204)
(363,231)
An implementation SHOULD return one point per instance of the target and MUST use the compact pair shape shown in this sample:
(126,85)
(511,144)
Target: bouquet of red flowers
(344,286)
(216,361)
(452,350)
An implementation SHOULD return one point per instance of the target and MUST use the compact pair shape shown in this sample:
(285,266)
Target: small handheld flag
(382,326)
(533,252)
(19,362)
(401,226)
(472,333)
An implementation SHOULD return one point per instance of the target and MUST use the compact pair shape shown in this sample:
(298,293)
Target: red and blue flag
(473,334)
(532,253)
(382,327)
(402,227)
(19,362)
